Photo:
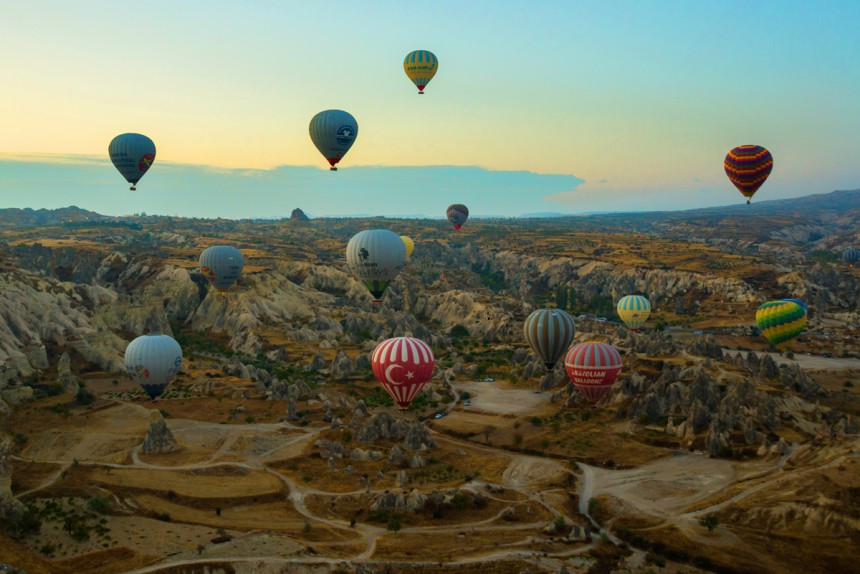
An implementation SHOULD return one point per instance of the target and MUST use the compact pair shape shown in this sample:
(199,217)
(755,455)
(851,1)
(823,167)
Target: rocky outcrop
(65,377)
(342,365)
(158,439)
(11,508)
(299,215)
(417,438)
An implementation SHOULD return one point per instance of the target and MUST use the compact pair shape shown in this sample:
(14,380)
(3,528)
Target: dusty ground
(263,484)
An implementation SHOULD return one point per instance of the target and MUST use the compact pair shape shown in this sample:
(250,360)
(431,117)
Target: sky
(537,106)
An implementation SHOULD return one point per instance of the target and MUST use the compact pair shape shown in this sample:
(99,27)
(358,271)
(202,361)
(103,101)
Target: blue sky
(610,105)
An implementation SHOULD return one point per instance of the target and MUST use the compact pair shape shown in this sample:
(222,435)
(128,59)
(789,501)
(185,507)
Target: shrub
(394,522)
(710,522)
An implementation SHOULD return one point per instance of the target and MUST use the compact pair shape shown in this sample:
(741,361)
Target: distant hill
(809,207)
(14,217)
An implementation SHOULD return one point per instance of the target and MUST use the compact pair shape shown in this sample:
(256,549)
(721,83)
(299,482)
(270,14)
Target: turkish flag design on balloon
(403,366)
(593,368)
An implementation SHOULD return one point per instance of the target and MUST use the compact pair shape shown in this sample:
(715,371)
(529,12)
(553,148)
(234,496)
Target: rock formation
(158,439)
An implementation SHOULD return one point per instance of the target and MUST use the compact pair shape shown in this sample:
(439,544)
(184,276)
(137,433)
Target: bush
(461,501)
(394,523)
(99,504)
(84,397)
(710,522)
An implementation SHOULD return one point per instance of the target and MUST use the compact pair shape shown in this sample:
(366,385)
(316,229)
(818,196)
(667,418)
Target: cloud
(207,191)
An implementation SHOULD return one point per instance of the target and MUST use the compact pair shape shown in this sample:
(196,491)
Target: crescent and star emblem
(388,374)
(409,375)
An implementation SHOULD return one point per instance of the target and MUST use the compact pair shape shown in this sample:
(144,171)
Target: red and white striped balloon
(593,368)
(403,366)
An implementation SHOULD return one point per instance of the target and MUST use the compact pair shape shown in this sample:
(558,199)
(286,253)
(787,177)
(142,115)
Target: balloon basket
(332,168)
(132,188)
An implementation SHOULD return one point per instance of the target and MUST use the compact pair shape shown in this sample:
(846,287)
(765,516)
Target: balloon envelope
(221,265)
(403,366)
(634,310)
(799,302)
(333,132)
(376,256)
(780,322)
(593,368)
(747,167)
(410,245)
(132,155)
(420,66)
(152,361)
(549,332)
(457,214)
(850,256)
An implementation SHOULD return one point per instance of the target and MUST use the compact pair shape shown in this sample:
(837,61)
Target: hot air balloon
(549,332)
(850,256)
(799,302)
(221,265)
(593,368)
(376,256)
(458,214)
(780,322)
(634,310)
(333,132)
(420,66)
(410,246)
(403,366)
(748,167)
(132,155)
(152,361)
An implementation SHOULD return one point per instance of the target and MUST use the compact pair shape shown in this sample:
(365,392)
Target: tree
(561,297)
(488,430)
(394,522)
(710,522)
(518,439)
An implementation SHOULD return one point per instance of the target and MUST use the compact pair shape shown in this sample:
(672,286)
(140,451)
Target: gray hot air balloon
(333,132)
(221,265)
(850,256)
(376,256)
(152,361)
(549,332)
(132,155)
(457,214)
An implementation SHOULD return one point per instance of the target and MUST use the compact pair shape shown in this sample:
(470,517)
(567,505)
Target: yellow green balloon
(634,310)
(781,322)
(410,245)
(420,66)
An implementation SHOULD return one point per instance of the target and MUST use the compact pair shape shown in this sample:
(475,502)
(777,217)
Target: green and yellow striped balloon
(780,322)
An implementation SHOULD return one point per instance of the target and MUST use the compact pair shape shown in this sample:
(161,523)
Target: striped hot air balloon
(549,332)
(780,322)
(457,214)
(152,361)
(799,302)
(634,310)
(420,66)
(132,155)
(403,366)
(593,368)
(850,256)
(748,167)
